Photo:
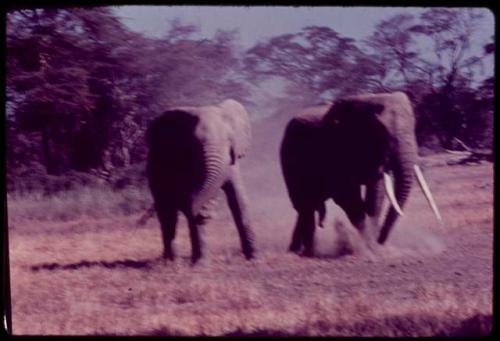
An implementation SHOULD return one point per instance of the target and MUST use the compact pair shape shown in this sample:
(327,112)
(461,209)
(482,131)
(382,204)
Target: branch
(380,84)
(461,143)
(469,155)
(457,152)
(471,158)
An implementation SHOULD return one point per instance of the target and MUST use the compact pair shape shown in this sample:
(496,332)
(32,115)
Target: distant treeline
(81,87)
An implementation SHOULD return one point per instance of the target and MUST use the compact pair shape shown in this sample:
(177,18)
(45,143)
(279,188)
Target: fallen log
(470,155)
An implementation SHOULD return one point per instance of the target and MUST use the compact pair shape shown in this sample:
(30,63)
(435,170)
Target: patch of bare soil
(430,279)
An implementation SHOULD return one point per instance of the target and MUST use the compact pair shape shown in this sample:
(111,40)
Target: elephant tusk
(427,191)
(389,190)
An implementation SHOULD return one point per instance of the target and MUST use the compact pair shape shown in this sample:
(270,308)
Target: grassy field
(80,265)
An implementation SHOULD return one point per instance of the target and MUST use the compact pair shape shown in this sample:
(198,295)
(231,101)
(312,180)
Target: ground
(104,276)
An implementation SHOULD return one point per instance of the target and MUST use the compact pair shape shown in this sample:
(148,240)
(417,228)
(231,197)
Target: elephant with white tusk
(330,151)
(193,153)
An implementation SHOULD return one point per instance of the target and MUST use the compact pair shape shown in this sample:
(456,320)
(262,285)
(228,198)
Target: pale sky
(257,23)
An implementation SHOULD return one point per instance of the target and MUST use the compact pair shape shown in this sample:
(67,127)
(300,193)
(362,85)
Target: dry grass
(101,275)
(173,300)
(84,202)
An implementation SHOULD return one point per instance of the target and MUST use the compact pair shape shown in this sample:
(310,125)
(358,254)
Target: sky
(256,23)
(259,23)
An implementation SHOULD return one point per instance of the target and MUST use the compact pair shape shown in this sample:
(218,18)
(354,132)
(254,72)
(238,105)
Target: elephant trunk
(403,179)
(212,179)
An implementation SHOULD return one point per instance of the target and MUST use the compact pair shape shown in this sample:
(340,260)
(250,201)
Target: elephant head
(193,153)
(380,132)
(330,153)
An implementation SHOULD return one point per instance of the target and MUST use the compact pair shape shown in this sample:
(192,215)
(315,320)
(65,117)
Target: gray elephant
(193,153)
(331,150)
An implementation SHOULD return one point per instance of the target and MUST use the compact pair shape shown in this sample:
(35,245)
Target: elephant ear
(239,132)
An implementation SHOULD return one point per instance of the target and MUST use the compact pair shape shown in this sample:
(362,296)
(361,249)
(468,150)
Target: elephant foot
(381,239)
(247,249)
(307,253)
(195,257)
(249,254)
(169,255)
(294,247)
(202,262)
(250,257)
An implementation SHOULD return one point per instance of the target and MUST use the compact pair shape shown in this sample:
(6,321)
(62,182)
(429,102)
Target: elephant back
(175,159)
(236,117)
(313,116)
(170,128)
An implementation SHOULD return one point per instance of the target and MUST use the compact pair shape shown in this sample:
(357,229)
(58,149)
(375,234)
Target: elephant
(193,153)
(330,150)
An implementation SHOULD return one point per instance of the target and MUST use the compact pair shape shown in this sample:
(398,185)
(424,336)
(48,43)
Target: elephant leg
(296,243)
(374,198)
(168,222)
(354,207)
(373,205)
(351,202)
(194,234)
(237,202)
(303,233)
(307,227)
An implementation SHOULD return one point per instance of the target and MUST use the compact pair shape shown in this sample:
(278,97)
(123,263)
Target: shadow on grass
(394,326)
(127,263)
